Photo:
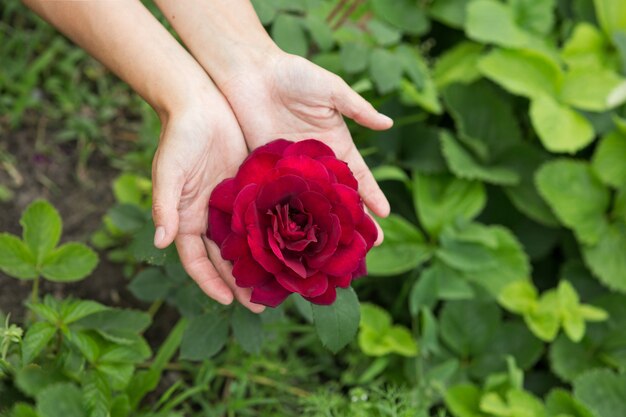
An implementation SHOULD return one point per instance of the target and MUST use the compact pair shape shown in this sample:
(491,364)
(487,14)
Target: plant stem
(154,307)
(35,290)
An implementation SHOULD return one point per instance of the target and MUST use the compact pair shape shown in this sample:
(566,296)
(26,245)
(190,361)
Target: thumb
(167,189)
(349,103)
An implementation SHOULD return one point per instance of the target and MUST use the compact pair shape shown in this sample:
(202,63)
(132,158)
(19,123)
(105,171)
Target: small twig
(347,14)
(335,10)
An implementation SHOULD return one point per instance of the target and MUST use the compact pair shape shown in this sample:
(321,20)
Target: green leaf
(132,189)
(569,359)
(544,321)
(586,47)
(265,10)
(87,344)
(389,173)
(593,89)
(489,21)
(16,258)
(609,159)
(97,395)
(465,166)
(534,15)
(289,35)
(403,14)
(560,128)
(374,318)
(74,310)
(61,400)
(35,340)
(458,64)
(576,196)
(603,392)
(354,56)
(384,34)
(611,14)
(449,12)
(402,250)
(114,319)
(424,292)
(607,258)
(127,217)
(377,336)
(42,226)
(519,297)
(70,262)
(119,375)
(248,330)
(337,324)
(151,284)
(204,337)
(385,69)
(560,402)
(320,32)
(467,327)
(463,400)
(441,199)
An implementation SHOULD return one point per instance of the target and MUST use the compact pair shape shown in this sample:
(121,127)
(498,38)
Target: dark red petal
(277,146)
(224,195)
(341,170)
(368,230)
(219,225)
(255,168)
(305,166)
(346,258)
(313,286)
(315,203)
(333,232)
(347,224)
(350,199)
(234,246)
(360,271)
(248,273)
(342,281)
(293,264)
(271,294)
(280,191)
(325,299)
(240,206)
(310,147)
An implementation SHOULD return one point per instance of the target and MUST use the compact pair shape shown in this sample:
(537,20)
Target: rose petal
(325,299)
(349,198)
(347,224)
(310,147)
(315,203)
(257,241)
(342,281)
(248,273)
(341,170)
(271,294)
(313,286)
(304,166)
(368,230)
(224,195)
(219,225)
(280,191)
(234,246)
(255,168)
(332,229)
(360,271)
(277,146)
(346,258)
(242,202)
(294,264)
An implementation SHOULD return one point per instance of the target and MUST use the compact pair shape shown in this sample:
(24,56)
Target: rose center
(292,229)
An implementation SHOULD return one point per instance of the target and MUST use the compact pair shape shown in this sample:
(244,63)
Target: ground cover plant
(500,288)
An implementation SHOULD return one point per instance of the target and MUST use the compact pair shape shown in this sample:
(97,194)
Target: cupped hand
(290,97)
(198,148)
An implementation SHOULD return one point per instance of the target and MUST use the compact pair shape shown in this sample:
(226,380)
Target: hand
(290,97)
(198,148)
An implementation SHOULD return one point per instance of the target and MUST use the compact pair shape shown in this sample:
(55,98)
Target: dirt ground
(49,171)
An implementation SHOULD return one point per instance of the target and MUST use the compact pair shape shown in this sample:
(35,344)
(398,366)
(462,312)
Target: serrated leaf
(425,290)
(468,326)
(70,262)
(560,402)
(609,159)
(607,258)
(384,34)
(114,319)
(544,321)
(288,33)
(35,340)
(592,89)
(402,14)
(534,15)
(248,330)
(489,21)
(60,400)
(97,395)
(458,64)
(151,284)
(16,258)
(41,224)
(320,32)
(560,128)
(385,69)
(603,392)
(73,310)
(337,324)
(354,56)
(576,196)
(463,400)
(519,297)
(204,337)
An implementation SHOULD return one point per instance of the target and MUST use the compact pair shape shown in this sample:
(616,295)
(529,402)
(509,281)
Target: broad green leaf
(61,400)
(35,340)
(288,33)
(424,292)
(377,336)
(354,56)
(609,159)
(41,224)
(248,329)
(534,15)
(569,359)
(576,196)
(118,374)
(384,34)
(465,166)
(374,318)
(611,14)
(593,89)
(389,173)
(571,317)
(402,250)
(485,120)
(467,327)
(458,65)
(337,324)
(385,69)
(97,395)
(87,344)
(560,402)
(126,217)
(74,310)
(524,72)
(70,262)
(602,392)
(544,321)
(490,21)
(403,14)
(413,65)
(151,284)
(464,400)
(586,47)
(607,258)
(619,40)
(33,379)
(426,98)
(16,258)
(132,189)
(114,319)
(591,313)
(421,150)
(519,297)
(449,12)
(320,32)
(204,337)
(441,199)
(265,10)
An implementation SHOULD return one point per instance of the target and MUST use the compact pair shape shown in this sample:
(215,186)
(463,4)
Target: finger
(369,189)
(195,260)
(167,188)
(225,269)
(352,105)
(381,235)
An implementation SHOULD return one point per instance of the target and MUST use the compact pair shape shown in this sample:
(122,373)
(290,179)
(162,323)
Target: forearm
(125,37)
(225,36)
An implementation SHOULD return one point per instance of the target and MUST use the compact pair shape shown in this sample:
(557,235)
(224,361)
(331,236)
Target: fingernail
(387,118)
(159,235)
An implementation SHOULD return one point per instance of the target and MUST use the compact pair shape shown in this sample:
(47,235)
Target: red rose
(291,220)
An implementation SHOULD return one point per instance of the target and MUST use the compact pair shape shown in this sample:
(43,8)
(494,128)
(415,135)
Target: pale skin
(261,94)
